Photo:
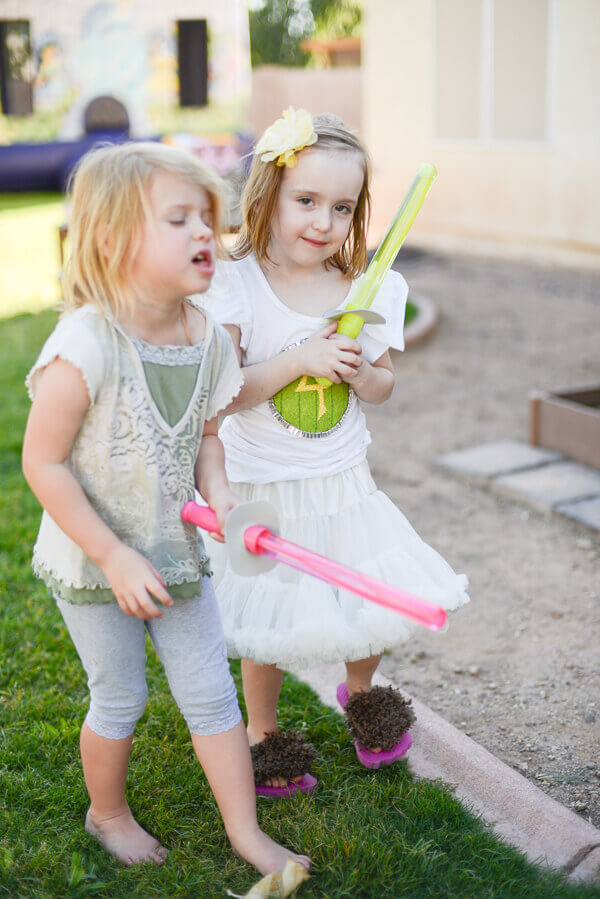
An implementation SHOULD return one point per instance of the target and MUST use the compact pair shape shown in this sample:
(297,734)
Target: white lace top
(136,469)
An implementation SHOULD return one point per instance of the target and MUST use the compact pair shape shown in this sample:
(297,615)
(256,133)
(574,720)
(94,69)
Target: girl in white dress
(301,252)
(123,427)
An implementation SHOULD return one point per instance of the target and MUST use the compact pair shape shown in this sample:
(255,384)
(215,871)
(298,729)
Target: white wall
(541,191)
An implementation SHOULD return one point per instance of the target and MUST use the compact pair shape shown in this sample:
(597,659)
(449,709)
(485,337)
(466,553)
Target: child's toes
(159,855)
(275,782)
(303,860)
(281,758)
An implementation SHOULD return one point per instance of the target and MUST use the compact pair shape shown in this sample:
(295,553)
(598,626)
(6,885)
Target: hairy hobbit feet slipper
(378,717)
(286,755)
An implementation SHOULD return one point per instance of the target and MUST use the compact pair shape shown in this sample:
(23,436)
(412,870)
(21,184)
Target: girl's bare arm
(373,382)
(211,479)
(317,356)
(60,403)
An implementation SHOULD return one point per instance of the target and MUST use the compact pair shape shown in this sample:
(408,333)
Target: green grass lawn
(30,266)
(370,834)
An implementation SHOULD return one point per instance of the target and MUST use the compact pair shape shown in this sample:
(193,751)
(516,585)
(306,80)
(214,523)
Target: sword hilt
(202,516)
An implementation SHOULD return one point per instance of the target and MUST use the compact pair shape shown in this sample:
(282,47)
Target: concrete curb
(425,323)
(519,813)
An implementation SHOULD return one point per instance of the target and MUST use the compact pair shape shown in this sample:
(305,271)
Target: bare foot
(123,837)
(266,855)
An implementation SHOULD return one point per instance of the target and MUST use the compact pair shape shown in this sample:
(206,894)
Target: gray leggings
(189,642)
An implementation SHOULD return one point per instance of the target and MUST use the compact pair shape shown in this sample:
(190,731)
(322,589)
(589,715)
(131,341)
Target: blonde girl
(300,254)
(122,429)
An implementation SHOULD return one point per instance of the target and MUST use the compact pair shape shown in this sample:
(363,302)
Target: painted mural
(111,58)
(128,49)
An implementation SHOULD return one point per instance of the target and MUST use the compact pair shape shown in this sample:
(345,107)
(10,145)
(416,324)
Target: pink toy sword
(249,543)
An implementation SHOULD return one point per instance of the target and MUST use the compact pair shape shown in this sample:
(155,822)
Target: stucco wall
(538,192)
(274,88)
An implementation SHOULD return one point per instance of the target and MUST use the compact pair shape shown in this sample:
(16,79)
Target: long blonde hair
(109,192)
(261,191)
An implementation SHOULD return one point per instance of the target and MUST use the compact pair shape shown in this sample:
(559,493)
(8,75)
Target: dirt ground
(519,668)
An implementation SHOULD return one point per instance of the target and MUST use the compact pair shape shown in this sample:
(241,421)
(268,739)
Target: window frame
(187,93)
(486,94)
(6,100)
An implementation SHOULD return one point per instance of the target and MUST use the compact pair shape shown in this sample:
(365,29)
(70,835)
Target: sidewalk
(544,479)
(520,814)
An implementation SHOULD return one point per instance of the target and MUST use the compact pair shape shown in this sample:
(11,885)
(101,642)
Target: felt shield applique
(308,409)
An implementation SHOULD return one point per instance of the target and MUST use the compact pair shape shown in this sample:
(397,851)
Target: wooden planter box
(567,421)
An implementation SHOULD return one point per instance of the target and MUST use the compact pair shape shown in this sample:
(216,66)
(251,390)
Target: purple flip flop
(306,785)
(375,760)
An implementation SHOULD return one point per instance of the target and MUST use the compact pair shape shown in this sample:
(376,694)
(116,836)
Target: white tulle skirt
(291,619)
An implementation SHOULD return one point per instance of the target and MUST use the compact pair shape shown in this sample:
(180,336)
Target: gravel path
(519,668)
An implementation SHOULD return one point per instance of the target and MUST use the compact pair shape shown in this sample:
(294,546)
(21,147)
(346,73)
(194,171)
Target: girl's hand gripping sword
(358,311)
(254,547)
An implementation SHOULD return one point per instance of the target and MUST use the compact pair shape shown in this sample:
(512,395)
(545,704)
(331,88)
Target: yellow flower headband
(285,137)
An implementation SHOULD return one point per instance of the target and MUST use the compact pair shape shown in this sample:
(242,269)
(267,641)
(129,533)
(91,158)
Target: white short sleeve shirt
(259,447)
